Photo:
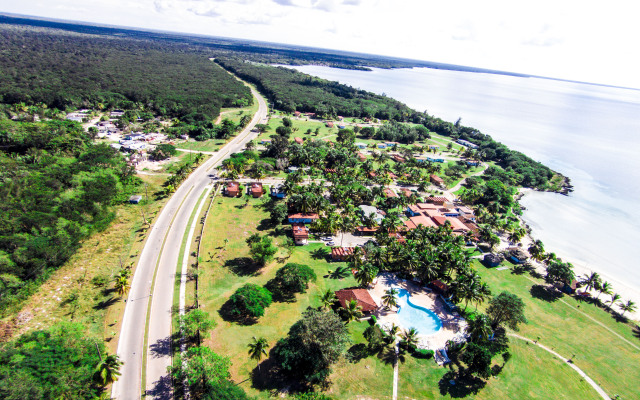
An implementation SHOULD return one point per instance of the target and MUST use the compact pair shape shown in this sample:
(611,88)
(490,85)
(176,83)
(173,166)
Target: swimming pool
(413,316)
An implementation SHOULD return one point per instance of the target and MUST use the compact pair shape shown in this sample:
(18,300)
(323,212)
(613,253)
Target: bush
(290,279)
(163,151)
(423,353)
(247,303)
(373,320)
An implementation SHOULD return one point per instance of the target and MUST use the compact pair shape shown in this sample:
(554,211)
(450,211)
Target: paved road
(161,253)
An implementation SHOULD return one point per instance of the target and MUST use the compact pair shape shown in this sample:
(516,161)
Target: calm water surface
(588,133)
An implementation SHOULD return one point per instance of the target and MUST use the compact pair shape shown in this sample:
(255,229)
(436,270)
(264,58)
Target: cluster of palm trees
(593,281)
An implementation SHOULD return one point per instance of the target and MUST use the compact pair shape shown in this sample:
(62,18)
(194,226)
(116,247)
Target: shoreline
(625,291)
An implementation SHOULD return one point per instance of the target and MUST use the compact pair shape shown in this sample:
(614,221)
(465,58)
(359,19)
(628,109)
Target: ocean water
(587,132)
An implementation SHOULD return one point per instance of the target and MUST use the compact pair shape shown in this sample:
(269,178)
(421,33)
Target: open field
(604,349)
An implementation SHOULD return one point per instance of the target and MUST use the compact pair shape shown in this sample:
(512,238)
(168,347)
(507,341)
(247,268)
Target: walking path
(459,185)
(590,381)
(396,349)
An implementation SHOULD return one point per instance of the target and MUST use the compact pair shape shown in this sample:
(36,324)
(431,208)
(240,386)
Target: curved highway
(154,300)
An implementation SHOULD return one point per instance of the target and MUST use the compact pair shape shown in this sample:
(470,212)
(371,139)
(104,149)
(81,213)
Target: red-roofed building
(457,225)
(389,193)
(398,158)
(298,140)
(330,171)
(296,113)
(255,189)
(341,253)
(329,124)
(361,156)
(422,220)
(409,224)
(432,213)
(440,286)
(436,200)
(300,234)
(436,180)
(366,231)
(232,189)
(361,296)
(406,192)
(303,218)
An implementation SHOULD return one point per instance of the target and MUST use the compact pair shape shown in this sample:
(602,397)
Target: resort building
(436,180)
(303,218)
(467,144)
(232,189)
(278,191)
(341,253)
(255,189)
(361,296)
(300,234)
(298,140)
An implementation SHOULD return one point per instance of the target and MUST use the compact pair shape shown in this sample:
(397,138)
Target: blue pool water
(413,316)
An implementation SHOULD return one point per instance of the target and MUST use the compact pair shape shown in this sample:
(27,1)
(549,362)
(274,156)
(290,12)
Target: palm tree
(615,298)
(628,306)
(108,370)
(389,299)
(479,328)
(121,285)
(328,299)
(605,288)
(365,274)
(393,330)
(591,281)
(352,311)
(409,337)
(537,250)
(257,349)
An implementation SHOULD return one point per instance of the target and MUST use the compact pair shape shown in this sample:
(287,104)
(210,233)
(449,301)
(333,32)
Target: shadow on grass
(228,315)
(463,385)
(636,332)
(268,376)
(545,293)
(321,253)
(243,266)
(104,304)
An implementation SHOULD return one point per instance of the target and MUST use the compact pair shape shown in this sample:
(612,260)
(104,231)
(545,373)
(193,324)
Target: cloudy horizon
(565,40)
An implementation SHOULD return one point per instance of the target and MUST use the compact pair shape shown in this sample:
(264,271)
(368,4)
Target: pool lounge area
(419,308)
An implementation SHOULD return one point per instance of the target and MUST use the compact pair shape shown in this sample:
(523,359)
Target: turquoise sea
(587,132)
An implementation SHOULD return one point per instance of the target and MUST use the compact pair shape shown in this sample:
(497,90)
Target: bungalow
(438,160)
(361,296)
(361,157)
(466,212)
(361,145)
(436,180)
(467,144)
(492,260)
(473,163)
(382,146)
(116,113)
(296,113)
(439,286)
(391,144)
(341,126)
(303,218)
(397,158)
(341,253)
(406,192)
(389,193)
(329,124)
(255,189)
(422,220)
(366,231)
(367,211)
(265,141)
(232,189)
(300,234)
(298,140)
(517,255)
(433,147)
(436,200)
(278,191)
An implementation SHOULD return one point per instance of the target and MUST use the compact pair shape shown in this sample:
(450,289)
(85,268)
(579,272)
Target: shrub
(163,151)
(423,353)
(290,279)
(247,303)
(373,320)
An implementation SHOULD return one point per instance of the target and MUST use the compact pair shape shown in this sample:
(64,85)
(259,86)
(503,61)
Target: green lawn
(567,326)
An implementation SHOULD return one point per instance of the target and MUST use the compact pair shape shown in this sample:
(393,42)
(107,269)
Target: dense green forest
(62,69)
(290,90)
(56,189)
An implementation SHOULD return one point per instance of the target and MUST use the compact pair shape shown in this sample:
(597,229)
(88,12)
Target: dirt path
(459,185)
(590,381)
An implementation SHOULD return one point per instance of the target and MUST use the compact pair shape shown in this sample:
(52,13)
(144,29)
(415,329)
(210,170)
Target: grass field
(531,372)
(604,349)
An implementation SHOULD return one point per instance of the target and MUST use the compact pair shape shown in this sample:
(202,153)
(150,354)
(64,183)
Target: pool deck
(453,326)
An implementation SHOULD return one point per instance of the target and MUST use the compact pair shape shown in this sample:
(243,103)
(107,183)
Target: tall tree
(506,308)
(257,349)
(108,370)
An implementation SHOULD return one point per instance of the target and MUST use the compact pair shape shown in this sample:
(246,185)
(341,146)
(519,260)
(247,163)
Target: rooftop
(362,296)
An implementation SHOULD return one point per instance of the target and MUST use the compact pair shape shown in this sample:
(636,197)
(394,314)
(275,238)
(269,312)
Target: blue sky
(581,40)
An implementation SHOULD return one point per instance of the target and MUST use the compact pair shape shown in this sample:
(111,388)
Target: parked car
(330,244)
